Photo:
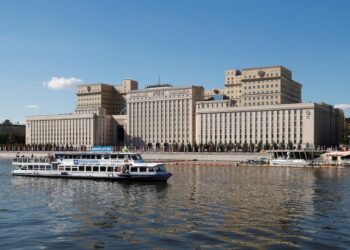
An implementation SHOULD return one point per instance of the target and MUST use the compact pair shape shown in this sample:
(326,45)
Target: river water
(200,207)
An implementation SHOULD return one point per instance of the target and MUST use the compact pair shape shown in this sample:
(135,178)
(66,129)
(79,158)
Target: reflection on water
(199,207)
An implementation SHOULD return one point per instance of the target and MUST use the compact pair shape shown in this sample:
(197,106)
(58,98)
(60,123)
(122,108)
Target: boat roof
(95,152)
(338,153)
(296,150)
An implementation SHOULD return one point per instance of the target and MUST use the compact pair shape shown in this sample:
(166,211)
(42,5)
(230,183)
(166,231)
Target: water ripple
(200,207)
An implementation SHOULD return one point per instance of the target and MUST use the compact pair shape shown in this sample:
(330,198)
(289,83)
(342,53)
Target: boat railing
(31,160)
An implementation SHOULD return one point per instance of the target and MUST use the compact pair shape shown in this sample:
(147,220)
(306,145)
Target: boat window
(30,167)
(120,156)
(42,167)
(68,168)
(24,168)
(106,157)
(68,157)
(103,169)
(54,167)
(61,168)
(95,169)
(83,157)
(88,168)
(48,168)
(113,156)
(162,169)
(150,170)
(136,157)
(81,168)
(143,169)
(157,169)
(74,169)
(88,157)
(98,156)
(133,169)
(110,169)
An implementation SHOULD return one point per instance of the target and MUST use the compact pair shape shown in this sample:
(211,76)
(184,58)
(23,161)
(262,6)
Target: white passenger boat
(294,158)
(289,162)
(91,165)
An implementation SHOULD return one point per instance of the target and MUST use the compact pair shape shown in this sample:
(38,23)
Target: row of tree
(172,147)
(221,147)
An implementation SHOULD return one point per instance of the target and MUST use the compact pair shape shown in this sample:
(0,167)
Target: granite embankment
(165,156)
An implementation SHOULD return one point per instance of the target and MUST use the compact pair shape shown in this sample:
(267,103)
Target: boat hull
(122,177)
(292,163)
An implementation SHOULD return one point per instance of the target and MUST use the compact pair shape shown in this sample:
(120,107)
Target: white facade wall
(162,115)
(220,121)
(69,129)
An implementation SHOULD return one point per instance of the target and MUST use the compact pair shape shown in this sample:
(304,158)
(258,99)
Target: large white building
(99,118)
(70,129)
(264,106)
(260,86)
(304,123)
(162,114)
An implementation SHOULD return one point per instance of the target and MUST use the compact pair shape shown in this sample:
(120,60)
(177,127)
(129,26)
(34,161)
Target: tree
(260,146)
(182,147)
(229,146)
(195,147)
(245,146)
(238,146)
(201,147)
(267,146)
(282,145)
(175,146)
(251,147)
(220,147)
(290,145)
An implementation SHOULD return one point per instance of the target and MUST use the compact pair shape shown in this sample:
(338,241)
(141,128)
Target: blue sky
(185,42)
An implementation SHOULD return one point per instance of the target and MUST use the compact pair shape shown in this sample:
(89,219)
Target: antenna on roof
(159,79)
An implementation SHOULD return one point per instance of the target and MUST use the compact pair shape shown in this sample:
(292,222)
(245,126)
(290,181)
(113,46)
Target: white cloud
(342,106)
(32,106)
(62,82)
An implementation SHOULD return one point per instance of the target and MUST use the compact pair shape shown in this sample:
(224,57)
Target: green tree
(267,146)
(245,146)
(260,146)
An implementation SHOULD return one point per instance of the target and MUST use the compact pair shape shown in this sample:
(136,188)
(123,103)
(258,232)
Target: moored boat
(294,158)
(91,165)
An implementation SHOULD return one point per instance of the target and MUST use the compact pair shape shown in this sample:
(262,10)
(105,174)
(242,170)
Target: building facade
(262,86)
(305,123)
(162,115)
(99,118)
(104,98)
(70,129)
